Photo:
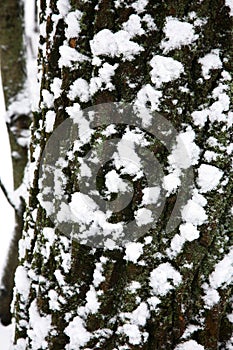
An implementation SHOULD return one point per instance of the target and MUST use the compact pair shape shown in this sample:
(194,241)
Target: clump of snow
(148,94)
(80,89)
(98,276)
(208,177)
(63,7)
(185,153)
(114,182)
(138,316)
(165,69)
(188,232)
(53,300)
(200,117)
(220,277)
(133,251)
(210,61)
(171,182)
(73,27)
(150,195)
(133,26)
(22,282)
(49,121)
(143,216)
(194,213)
(56,87)
(39,327)
(149,20)
(103,80)
(189,345)
(191,328)
(177,33)
(133,333)
(48,98)
(107,43)
(69,55)
(153,303)
(92,304)
(77,333)
(83,207)
(140,5)
(164,278)
(134,286)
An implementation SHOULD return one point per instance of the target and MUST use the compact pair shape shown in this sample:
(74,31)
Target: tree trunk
(18,116)
(169,288)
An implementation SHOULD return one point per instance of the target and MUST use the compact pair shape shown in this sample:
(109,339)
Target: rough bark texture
(43,261)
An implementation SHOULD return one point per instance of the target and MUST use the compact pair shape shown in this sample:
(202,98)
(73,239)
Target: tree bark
(60,272)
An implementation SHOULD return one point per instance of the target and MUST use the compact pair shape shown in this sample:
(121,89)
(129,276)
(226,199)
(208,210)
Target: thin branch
(6,194)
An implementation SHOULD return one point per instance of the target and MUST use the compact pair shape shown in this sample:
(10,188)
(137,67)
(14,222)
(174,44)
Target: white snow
(107,43)
(153,302)
(133,251)
(98,276)
(133,333)
(83,207)
(48,98)
(171,182)
(164,278)
(220,277)
(188,232)
(150,195)
(177,33)
(200,117)
(103,80)
(73,26)
(49,121)
(56,87)
(53,300)
(77,333)
(229,3)
(140,5)
(115,183)
(6,336)
(208,177)
(189,345)
(134,286)
(185,153)
(210,61)
(194,213)
(80,89)
(39,328)
(143,216)
(165,69)
(148,94)
(22,282)
(133,26)
(69,56)
(92,304)
(140,315)
(63,7)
